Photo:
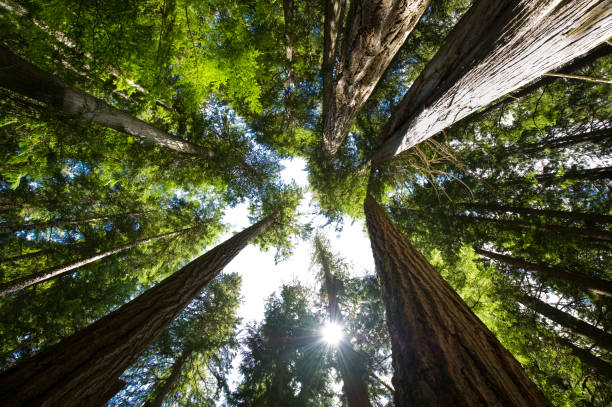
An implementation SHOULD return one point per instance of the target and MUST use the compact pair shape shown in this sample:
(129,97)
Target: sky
(261,277)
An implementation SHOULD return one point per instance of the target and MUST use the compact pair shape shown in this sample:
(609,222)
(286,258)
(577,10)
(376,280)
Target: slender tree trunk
(25,282)
(497,47)
(590,137)
(597,285)
(61,222)
(443,355)
(590,174)
(288,14)
(549,213)
(351,365)
(83,365)
(162,392)
(24,257)
(568,230)
(588,331)
(24,78)
(583,61)
(374,32)
(586,357)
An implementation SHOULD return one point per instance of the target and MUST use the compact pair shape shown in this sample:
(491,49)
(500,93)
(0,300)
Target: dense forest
(470,140)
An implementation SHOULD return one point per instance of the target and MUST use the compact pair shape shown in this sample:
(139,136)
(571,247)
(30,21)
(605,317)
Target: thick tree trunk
(374,32)
(443,355)
(25,282)
(497,47)
(350,363)
(24,257)
(162,392)
(77,369)
(548,213)
(24,78)
(61,222)
(588,331)
(597,285)
(586,357)
(567,230)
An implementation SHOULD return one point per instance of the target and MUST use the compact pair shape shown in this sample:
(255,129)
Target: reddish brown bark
(443,355)
(78,369)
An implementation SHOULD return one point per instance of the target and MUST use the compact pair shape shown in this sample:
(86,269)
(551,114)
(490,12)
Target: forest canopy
(144,145)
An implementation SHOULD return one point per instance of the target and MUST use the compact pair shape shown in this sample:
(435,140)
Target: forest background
(134,132)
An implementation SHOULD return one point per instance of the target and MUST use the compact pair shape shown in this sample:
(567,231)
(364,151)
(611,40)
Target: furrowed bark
(549,213)
(597,285)
(351,366)
(443,355)
(20,76)
(586,357)
(162,392)
(588,331)
(48,274)
(374,32)
(497,47)
(81,366)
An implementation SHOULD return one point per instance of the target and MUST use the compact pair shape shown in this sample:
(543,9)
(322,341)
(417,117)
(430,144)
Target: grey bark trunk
(497,47)
(45,275)
(20,76)
(443,355)
(75,371)
(588,331)
(162,392)
(597,285)
(374,32)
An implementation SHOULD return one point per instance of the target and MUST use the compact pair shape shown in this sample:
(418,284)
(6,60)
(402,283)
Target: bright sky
(261,277)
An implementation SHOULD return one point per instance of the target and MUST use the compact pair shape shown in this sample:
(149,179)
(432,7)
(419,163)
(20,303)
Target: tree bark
(549,213)
(60,222)
(443,355)
(350,363)
(374,32)
(603,235)
(24,257)
(162,392)
(597,285)
(588,331)
(497,47)
(20,76)
(25,282)
(586,357)
(74,371)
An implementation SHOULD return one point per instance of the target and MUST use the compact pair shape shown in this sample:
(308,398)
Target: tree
(459,79)
(438,343)
(87,364)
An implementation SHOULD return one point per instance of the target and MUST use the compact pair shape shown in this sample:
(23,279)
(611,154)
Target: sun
(332,333)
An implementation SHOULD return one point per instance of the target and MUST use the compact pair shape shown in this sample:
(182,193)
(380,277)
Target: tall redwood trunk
(443,355)
(82,366)
(568,230)
(61,222)
(597,285)
(599,337)
(350,363)
(497,47)
(162,392)
(599,365)
(374,32)
(36,278)
(24,78)
(580,216)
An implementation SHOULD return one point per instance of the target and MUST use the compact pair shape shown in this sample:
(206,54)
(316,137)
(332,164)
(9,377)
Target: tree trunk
(592,137)
(443,355)
(586,357)
(596,53)
(588,331)
(24,78)
(549,213)
(597,285)
(162,392)
(374,32)
(24,257)
(567,230)
(25,282)
(74,371)
(60,222)
(288,14)
(591,174)
(497,47)
(349,361)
